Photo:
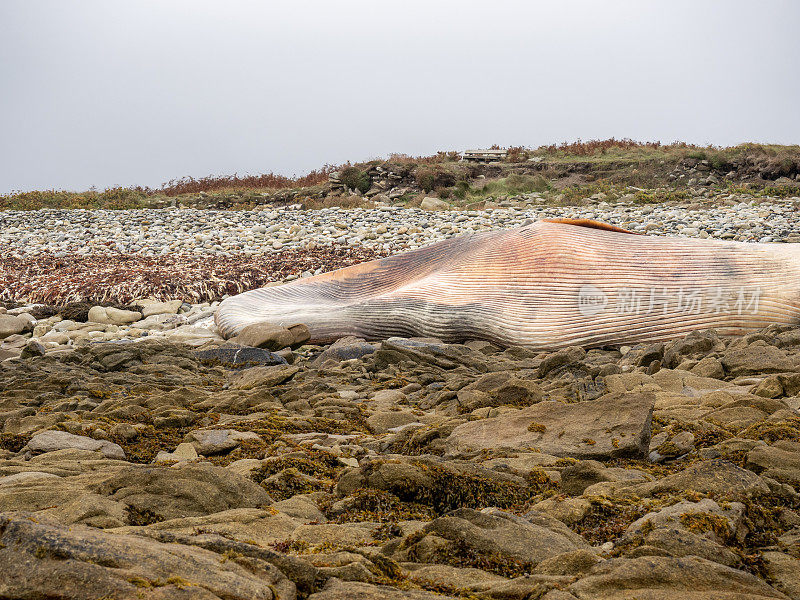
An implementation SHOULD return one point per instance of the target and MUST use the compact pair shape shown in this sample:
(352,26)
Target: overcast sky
(105,92)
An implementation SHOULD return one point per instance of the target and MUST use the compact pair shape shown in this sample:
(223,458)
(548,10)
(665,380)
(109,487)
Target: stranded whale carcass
(547,285)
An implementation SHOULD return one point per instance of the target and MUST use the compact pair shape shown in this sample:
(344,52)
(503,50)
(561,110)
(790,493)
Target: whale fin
(591,224)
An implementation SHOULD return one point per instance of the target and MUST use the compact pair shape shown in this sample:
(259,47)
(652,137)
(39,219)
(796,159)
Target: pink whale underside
(546,285)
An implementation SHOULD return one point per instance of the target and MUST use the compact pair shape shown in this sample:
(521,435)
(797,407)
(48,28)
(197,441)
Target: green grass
(112,198)
(513,185)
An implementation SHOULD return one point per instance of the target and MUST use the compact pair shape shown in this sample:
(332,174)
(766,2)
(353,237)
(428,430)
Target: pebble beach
(159,232)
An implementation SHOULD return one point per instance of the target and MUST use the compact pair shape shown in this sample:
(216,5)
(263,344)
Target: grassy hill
(563,173)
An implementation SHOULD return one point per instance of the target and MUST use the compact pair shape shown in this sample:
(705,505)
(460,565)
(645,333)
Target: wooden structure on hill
(483,155)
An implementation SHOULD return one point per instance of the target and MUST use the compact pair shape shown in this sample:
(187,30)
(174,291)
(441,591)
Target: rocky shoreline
(143,456)
(407,468)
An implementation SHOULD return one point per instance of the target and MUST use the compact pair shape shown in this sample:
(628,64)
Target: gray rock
(346,348)
(661,577)
(262,376)
(575,478)
(559,359)
(47,561)
(48,441)
(185,490)
(301,334)
(780,462)
(162,322)
(218,441)
(499,388)
(383,421)
(755,359)
(460,578)
(496,535)
(722,526)
(718,478)
(32,349)
(182,453)
(610,426)
(27,477)
(233,355)
(680,542)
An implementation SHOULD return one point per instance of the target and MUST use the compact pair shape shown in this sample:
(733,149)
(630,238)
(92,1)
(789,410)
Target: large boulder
(12,325)
(218,441)
(236,356)
(113,316)
(718,523)
(429,352)
(247,525)
(780,462)
(576,477)
(431,203)
(49,441)
(668,578)
(155,493)
(262,376)
(612,426)
(468,579)
(48,561)
(720,479)
(784,572)
(269,336)
(499,388)
(756,358)
(170,307)
(491,537)
(346,348)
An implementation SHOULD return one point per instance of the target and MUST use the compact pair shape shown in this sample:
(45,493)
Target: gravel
(155,232)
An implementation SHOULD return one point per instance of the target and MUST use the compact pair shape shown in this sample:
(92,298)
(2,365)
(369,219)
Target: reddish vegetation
(190,185)
(601,146)
(122,278)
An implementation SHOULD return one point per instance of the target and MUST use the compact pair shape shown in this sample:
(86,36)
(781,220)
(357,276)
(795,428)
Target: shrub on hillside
(719,162)
(426,179)
(429,179)
(355,179)
(517,154)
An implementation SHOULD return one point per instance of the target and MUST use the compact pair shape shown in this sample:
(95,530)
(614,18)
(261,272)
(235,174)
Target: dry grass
(265,181)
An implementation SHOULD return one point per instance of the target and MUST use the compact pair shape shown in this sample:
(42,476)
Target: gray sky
(107,92)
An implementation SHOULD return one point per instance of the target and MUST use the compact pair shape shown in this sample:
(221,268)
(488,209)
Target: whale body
(547,285)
